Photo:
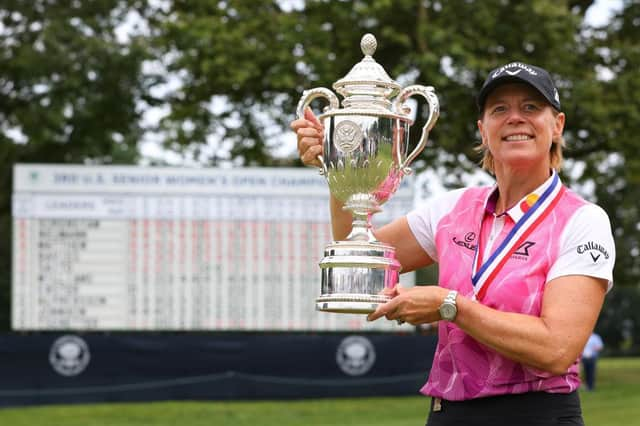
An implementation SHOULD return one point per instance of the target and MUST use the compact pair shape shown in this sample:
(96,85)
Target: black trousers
(527,409)
(589,367)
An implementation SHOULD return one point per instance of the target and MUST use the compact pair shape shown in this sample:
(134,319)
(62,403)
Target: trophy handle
(307,97)
(428,93)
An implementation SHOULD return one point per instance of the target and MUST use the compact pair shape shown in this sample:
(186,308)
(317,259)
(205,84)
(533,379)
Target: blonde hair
(555,152)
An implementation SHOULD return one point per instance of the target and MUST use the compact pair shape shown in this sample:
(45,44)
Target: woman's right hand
(310,134)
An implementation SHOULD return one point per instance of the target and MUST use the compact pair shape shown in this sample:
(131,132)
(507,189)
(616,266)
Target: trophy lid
(367,85)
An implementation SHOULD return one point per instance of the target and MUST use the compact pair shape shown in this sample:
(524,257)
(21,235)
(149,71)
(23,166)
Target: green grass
(615,402)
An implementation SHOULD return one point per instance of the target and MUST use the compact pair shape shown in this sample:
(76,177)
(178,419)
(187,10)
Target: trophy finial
(368,44)
(367,85)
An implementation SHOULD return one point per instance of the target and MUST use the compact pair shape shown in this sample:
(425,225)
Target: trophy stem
(361,229)
(362,208)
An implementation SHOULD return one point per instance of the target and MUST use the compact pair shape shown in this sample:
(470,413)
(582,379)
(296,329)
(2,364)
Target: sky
(600,12)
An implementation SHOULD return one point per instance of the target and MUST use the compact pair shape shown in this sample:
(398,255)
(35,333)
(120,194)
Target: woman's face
(518,126)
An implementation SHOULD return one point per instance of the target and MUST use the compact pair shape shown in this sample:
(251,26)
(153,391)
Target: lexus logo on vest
(469,238)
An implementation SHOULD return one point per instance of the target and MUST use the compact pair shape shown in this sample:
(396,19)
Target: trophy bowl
(365,156)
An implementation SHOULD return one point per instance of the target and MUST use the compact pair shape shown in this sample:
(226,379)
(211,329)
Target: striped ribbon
(483,274)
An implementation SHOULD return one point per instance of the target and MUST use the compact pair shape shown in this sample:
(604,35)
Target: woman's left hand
(415,305)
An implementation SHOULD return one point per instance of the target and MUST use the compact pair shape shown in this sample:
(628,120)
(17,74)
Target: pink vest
(463,368)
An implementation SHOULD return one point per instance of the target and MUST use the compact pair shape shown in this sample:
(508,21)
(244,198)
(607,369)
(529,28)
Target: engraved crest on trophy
(365,156)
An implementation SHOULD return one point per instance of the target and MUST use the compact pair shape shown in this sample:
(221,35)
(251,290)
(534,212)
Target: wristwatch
(448,309)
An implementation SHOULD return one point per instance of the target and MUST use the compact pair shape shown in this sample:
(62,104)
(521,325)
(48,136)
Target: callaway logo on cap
(534,76)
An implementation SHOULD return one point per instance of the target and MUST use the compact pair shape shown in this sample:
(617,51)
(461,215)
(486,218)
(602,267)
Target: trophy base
(350,303)
(355,275)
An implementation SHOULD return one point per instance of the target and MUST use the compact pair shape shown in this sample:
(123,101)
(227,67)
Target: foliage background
(78,80)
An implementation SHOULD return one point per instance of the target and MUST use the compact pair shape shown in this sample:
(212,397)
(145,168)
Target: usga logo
(355,355)
(69,355)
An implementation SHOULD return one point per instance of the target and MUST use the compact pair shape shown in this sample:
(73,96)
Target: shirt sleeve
(423,220)
(587,246)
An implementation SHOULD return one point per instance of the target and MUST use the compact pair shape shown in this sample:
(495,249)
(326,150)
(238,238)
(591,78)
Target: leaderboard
(149,248)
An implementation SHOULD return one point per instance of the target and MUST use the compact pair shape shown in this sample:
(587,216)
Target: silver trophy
(365,155)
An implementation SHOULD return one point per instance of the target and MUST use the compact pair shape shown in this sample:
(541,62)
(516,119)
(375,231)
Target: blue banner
(55,368)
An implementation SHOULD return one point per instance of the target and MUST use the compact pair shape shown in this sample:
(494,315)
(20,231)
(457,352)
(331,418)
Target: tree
(617,170)
(233,65)
(257,58)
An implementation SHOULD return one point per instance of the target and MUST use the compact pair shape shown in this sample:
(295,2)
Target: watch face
(448,311)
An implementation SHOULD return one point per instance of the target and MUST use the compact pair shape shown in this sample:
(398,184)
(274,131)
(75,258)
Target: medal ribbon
(483,275)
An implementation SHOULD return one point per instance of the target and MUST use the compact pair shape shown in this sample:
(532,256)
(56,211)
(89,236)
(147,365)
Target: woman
(523,266)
